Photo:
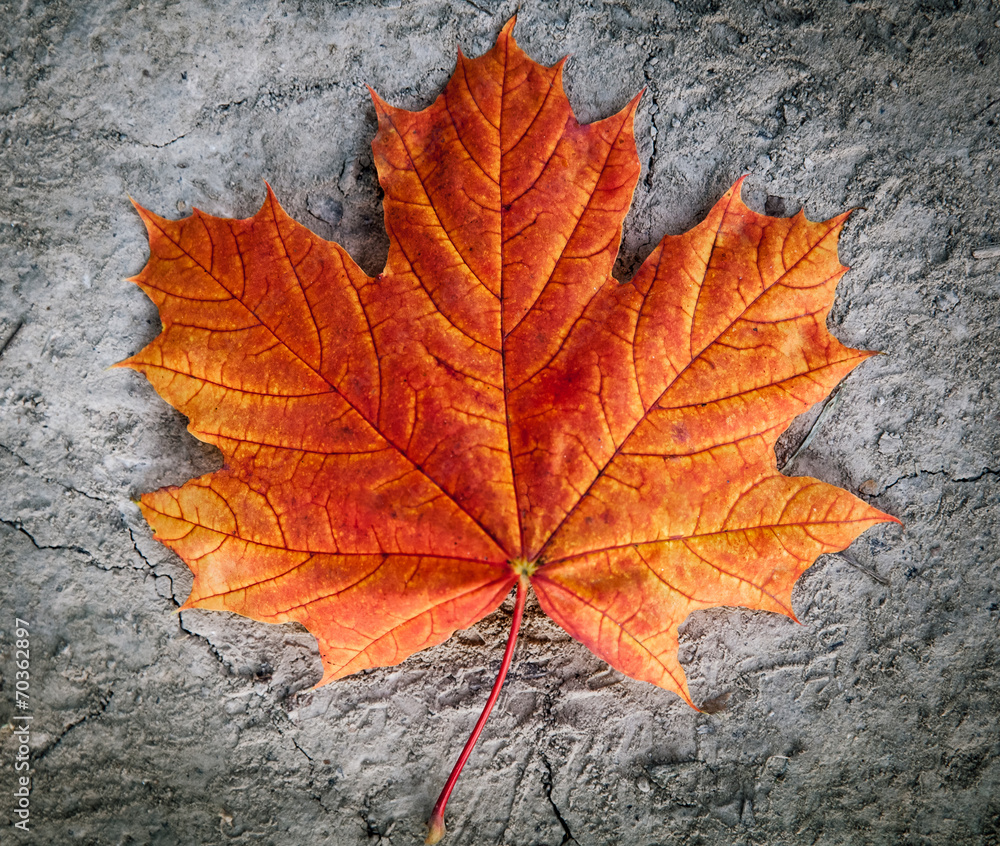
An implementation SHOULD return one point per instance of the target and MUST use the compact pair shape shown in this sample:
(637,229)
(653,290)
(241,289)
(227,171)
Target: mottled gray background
(874,721)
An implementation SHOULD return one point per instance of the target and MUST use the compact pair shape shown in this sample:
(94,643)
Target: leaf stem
(435,824)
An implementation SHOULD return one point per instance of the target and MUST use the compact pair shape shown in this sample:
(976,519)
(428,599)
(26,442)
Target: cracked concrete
(873,721)
(39,754)
(547,789)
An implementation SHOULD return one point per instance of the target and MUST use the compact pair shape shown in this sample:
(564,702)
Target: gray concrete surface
(875,721)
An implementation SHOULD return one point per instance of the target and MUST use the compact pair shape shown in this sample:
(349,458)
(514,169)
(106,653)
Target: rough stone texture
(874,721)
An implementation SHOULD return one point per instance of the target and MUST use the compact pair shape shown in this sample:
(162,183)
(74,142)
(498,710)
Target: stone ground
(875,721)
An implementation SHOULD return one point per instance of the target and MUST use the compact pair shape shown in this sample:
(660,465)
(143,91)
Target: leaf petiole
(435,825)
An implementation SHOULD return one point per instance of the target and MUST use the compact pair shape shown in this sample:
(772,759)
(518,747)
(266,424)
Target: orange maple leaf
(494,408)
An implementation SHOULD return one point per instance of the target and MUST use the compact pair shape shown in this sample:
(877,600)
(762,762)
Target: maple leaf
(494,408)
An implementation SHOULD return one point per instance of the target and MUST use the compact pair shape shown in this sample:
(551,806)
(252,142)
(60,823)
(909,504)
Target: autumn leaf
(494,409)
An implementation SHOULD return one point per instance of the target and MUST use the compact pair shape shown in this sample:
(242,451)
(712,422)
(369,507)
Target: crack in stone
(104,701)
(225,107)
(211,646)
(825,410)
(987,471)
(138,551)
(480,8)
(8,450)
(49,481)
(303,751)
(857,565)
(152,569)
(547,789)
(16,526)
(651,79)
(546,721)
(312,763)
(168,143)
(10,337)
